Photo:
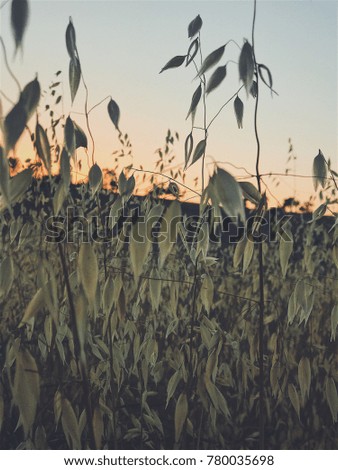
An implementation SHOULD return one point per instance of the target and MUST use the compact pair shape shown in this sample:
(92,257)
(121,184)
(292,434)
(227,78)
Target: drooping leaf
(4,178)
(246,66)
(88,271)
(30,97)
(173,63)
(304,377)
(207,292)
(294,398)
(188,147)
(70,425)
(199,151)
(43,147)
(239,251)
(285,249)
(195,100)
(14,125)
(331,397)
(181,414)
(334,322)
(114,113)
(248,254)
(69,137)
(71,40)
(318,213)
(216,78)
(139,247)
(19,184)
(192,51)
(227,192)
(74,77)
(254,89)
(319,171)
(80,137)
(19,20)
(59,197)
(65,169)
(211,60)
(95,178)
(26,390)
(262,67)
(239,111)
(250,192)
(194,26)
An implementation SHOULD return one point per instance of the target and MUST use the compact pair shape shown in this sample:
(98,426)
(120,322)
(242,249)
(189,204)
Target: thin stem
(223,106)
(260,261)
(7,65)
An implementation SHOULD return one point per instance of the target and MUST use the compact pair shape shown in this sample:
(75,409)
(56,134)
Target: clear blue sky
(123,45)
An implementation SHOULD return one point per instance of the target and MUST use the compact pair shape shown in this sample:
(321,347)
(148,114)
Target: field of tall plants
(129,323)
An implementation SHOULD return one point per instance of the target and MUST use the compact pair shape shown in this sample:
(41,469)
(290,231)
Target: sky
(124,44)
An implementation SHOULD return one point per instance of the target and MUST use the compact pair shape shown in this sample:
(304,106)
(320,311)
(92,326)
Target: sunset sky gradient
(124,44)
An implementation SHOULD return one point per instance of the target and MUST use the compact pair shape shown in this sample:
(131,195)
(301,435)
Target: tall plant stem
(260,261)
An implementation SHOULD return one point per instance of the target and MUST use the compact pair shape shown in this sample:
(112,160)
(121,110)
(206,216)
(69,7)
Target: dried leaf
(194,26)
(175,62)
(211,60)
(181,414)
(246,66)
(216,78)
(239,111)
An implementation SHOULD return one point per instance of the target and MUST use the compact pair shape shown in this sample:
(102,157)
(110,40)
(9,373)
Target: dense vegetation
(125,324)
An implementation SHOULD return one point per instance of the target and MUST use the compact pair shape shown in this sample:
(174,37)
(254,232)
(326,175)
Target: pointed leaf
(227,192)
(211,60)
(246,66)
(176,61)
(285,249)
(262,67)
(71,40)
(192,51)
(304,377)
(181,414)
(14,125)
(332,397)
(88,271)
(239,111)
(74,77)
(114,113)
(188,147)
(294,398)
(319,171)
(250,192)
(80,137)
(216,78)
(70,425)
(4,178)
(334,322)
(19,20)
(199,151)
(6,275)
(65,169)
(43,147)
(194,26)
(95,178)
(69,137)
(195,100)
(30,97)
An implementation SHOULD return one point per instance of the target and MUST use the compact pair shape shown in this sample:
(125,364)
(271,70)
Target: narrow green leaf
(216,78)
(239,111)
(14,125)
(319,171)
(74,76)
(19,20)
(42,146)
(211,60)
(114,113)
(199,151)
(246,66)
(188,146)
(30,97)
(194,26)
(195,100)
(192,51)
(69,137)
(176,61)
(80,137)
(95,178)
(71,40)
